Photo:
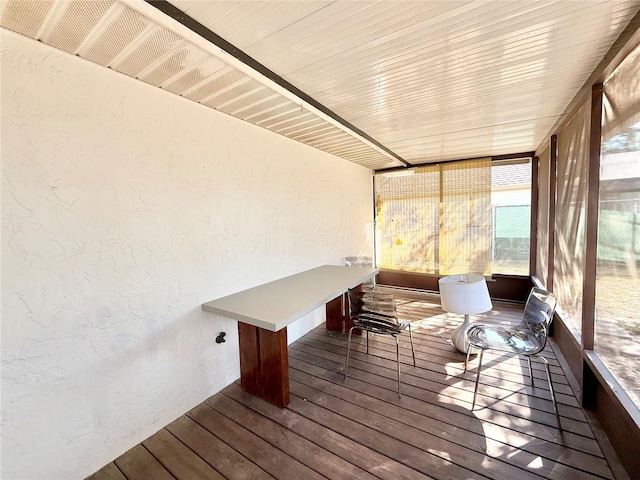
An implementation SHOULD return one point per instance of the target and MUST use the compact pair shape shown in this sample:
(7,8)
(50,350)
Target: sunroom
(160,155)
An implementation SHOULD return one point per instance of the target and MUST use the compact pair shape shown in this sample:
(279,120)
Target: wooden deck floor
(360,429)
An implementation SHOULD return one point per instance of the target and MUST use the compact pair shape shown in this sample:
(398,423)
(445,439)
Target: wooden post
(264,363)
(274,366)
(335,319)
(553,179)
(250,377)
(591,215)
(535,198)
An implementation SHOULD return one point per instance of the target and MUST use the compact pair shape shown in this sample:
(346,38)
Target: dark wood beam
(553,173)
(533,235)
(591,215)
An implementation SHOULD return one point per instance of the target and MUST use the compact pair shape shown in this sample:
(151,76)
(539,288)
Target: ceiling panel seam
(196,27)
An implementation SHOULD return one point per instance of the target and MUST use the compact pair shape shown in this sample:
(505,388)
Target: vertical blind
(435,219)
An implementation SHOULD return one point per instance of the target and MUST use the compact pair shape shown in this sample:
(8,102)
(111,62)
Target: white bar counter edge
(274,305)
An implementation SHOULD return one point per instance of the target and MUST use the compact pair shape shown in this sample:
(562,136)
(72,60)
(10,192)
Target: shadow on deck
(360,429)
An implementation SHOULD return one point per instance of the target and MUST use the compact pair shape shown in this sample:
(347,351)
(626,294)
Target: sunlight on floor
(535,463)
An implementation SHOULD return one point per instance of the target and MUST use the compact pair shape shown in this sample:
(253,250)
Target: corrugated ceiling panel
(430,80)
(182,59)
(273,16)
(334,142)
(230,93)
(400,70)
(117,34)
(146,52)
(314,132)
(295,116)
(267,101)
(270,114)
(113,34)
(432,49)
(252,99)
(17,18)
(196,75)
(75,24)
(298,121)
(213,83)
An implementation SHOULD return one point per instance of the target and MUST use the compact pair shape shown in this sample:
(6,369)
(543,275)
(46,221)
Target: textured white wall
(124,208)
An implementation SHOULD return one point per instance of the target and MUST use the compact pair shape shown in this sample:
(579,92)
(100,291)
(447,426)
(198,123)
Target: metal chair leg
(413,353)
(367,334)
(398,361)
(530,370)
(553,395)
(466,360)
(475,390)
(346,364)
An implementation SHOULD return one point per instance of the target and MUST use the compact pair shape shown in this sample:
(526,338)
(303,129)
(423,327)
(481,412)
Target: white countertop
(276,304)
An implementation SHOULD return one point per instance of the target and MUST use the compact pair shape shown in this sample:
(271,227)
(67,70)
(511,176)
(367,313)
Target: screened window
(511,225)
(407,219)
(465,218)
(571,198)
(617,326)
(456,217)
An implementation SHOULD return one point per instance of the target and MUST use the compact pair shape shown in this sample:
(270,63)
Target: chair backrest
(361,261)
(373,312)
(358,261)
(361,301)
(538,313)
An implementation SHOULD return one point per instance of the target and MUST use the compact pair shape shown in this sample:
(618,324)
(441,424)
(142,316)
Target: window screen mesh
(407,220)
(571,197)
(617,324)
(435,219)
(465,221)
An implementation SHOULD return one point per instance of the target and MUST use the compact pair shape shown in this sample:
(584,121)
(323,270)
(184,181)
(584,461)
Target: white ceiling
(417,80)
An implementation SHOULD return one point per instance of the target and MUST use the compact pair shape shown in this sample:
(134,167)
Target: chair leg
(398,362)
(346,364)
(367,334)
(530,370)
(475,390)
(553,394)
(413,353)
(466,360)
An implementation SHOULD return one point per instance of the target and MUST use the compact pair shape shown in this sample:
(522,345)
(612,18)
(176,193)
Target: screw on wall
(220,337)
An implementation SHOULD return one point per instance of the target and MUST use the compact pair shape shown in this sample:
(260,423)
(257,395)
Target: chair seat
(379,324)
(504,339)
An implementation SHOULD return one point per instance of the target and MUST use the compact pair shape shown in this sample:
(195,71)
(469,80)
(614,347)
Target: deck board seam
(429,433)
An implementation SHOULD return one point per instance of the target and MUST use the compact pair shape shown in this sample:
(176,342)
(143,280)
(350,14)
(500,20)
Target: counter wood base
(264,363)
(263,313)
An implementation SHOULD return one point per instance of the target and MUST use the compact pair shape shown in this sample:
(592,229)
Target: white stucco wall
(124,208)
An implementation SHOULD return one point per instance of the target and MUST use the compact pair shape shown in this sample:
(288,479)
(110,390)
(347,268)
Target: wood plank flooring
(360,429)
